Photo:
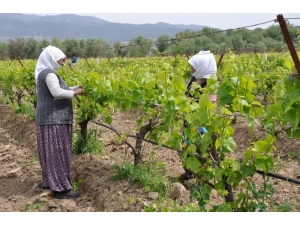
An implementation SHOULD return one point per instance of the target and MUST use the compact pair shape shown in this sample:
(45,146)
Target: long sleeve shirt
(57,92)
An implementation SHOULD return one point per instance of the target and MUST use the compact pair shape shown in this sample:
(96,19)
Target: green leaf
(137,96)
(225,94)
(247,170)
(296,133)
(271,127)
(265,163)
(294,94)
(192,149)
(229,145)
(108,120)
(247,156)
(292,117)
(224,207)
(192,163)
(271,111)
(169,106)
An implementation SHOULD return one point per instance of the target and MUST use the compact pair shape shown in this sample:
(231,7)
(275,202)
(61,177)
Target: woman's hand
(78,91)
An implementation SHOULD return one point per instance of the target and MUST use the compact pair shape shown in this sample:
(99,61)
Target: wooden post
(255,51)
(86,60)
(19,60)
(289,41)
(11,61)
(187,55)
(220,59)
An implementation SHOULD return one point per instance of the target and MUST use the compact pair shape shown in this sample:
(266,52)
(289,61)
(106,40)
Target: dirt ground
(20,173)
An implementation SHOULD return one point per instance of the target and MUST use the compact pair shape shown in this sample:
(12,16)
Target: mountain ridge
(65,26)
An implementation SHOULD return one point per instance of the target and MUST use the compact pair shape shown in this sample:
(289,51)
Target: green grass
(34,160)
(150,176)
(76,185)
(33,207)
(91,145)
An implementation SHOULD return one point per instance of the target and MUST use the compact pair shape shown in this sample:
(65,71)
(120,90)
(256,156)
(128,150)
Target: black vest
(50,110)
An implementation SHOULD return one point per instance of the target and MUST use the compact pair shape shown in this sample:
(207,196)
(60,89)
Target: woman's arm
(57,92)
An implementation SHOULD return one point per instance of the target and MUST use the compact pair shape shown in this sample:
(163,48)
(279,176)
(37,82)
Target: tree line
(188,42)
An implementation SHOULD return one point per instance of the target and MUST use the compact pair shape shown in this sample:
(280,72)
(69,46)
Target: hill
(66,26)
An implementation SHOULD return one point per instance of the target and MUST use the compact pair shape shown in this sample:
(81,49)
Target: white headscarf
(48,59)
(204,63)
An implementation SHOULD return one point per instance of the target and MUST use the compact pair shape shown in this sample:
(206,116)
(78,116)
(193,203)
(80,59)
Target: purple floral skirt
(55,148)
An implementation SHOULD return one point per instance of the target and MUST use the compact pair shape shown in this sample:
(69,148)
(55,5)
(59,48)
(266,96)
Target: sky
(220,14)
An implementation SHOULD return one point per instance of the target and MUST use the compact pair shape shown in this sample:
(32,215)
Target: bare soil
(20,172)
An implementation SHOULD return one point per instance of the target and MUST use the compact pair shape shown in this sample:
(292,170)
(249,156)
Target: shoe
(66,194)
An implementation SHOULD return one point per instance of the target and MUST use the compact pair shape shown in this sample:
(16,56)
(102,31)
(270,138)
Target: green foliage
(285,207)
(190,42)
(149,208)
(89,145)
(202,194)
(25,109)
(33,207)
(156,88)
(191,207)
(76,185)
(292,154)
(170,205)
(34,160)
(150,175)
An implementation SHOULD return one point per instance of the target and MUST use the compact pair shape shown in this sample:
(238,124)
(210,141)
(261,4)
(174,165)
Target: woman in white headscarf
(54,123)
(203,65)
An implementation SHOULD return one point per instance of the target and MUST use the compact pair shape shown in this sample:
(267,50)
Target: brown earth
(20,173)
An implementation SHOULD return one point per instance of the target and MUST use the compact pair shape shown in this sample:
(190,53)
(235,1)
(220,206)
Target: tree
(120,49)
(218,36)
(162,43)
(213,33)
(203,43)
(238,42)
(82,46)
(252,38)
(98,48)
(260,47)
(274,32)
(273,45)
(182,35)
(293,31)
(3,50)
(139,47)
(244,32)
(16,47)
(31,46)
(43,44)
(58,43)
(103,48)
(259,32)
(187,46)
(223,47)
(213,47)
(226,43)
(72,47)
(89,48)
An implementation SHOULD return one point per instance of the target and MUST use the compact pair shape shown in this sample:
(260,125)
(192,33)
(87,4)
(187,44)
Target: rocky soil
(20,172)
